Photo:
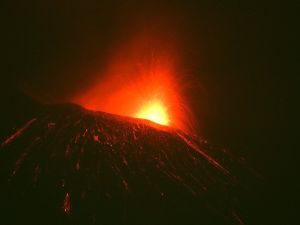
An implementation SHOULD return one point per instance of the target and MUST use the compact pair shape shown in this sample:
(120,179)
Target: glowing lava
(154,111)
(141,80)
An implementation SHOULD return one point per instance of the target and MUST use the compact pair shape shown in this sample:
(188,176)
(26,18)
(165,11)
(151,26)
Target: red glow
(140,81)
(67,204)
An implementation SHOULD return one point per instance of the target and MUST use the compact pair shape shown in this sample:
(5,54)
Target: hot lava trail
(68,165)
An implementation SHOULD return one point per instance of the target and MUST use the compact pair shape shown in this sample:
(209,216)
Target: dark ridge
(68,165)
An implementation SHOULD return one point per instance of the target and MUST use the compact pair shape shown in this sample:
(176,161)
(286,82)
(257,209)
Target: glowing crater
(154,111)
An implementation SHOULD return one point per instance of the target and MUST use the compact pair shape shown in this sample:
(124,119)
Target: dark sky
(240,54)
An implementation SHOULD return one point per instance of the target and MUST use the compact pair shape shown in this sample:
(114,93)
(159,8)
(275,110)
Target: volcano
(63,164)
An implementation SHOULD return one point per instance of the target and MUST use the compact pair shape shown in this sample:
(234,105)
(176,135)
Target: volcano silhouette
(68,165)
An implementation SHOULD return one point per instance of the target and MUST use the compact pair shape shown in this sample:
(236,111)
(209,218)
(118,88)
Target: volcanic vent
(68,165)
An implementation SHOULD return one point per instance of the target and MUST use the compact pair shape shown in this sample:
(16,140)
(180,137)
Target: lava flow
(68,165)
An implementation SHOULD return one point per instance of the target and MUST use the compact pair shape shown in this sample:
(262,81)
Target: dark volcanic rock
(67,165)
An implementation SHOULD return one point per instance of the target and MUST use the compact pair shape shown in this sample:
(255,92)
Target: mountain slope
(68,165)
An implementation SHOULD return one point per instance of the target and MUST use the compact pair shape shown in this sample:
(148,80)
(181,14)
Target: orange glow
(140,81)
(154,111)
(67,204)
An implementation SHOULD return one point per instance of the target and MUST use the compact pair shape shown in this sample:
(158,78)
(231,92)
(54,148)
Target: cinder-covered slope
(67,165)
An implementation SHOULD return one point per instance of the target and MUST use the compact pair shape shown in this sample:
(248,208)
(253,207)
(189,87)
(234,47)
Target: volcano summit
(68,165)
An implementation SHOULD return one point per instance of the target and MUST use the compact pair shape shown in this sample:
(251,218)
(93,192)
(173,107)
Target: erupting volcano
(141,81)
(125,156)
(149,112)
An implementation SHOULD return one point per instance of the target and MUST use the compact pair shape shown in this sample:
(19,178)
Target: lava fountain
(154,111)
(141,81)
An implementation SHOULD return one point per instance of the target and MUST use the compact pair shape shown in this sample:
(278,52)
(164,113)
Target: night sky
(238,60)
